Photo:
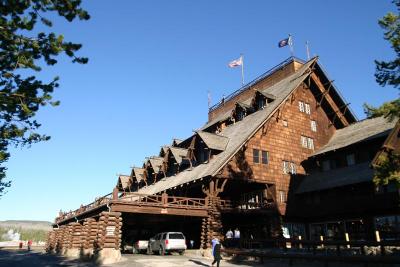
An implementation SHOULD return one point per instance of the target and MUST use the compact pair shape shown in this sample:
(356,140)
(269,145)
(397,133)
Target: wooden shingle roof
(236,134)
(357,132)
(354,174)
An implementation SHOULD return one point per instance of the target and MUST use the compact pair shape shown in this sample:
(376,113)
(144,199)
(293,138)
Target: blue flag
(284,42)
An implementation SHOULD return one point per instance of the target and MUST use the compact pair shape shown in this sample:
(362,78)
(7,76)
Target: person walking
(216,251)
(29,244)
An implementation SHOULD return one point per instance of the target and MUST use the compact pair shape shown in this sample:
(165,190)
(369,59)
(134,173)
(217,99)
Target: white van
(167,242)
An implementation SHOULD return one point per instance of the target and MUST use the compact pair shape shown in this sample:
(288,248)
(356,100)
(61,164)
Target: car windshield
(176,236)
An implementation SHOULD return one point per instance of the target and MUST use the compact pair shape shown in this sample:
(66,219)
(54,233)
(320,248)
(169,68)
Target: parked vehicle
(167,242)
(140,246)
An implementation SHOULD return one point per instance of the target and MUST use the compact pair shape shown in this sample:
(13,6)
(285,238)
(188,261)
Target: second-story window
(307,142)
(303,141)
(256,156)
(293,168)
(310,143)
(313,126)
(264,157)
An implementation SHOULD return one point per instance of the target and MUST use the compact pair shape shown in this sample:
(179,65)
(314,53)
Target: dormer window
(240,115)
(260,103)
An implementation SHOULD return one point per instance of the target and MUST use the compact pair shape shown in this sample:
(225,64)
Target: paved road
(23,258)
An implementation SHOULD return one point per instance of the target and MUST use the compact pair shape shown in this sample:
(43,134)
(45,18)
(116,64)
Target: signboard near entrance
(110,230)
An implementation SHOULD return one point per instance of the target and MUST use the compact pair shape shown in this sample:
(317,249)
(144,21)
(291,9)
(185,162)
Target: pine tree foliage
(388,72)
(23,50)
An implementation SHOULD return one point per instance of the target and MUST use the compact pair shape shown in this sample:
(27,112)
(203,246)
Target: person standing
(29,244)
(237,237)
(216,251)
(229,236)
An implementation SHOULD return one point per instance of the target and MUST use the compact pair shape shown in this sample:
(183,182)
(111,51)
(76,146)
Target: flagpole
(291,45)
(308,50)
(241,55)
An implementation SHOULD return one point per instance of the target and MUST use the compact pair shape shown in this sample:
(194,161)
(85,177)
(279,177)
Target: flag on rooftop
(285,42)
(236,62)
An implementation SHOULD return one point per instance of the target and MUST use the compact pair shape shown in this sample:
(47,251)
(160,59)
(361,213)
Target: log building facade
(282,156)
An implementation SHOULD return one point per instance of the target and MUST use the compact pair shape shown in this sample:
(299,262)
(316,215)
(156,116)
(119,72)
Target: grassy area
(26,234)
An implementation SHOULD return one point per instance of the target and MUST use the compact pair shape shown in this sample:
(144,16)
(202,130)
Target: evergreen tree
(388,73)
(22,48)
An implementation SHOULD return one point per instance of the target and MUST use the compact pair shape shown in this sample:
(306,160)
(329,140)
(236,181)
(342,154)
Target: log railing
(100,201)
(164,200)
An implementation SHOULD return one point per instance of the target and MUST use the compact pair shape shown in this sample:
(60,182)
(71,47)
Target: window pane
(308,110)
(326,165)
(350,159)
(292,168)
(256,156)
(285,167)
(313,126)
(301,106)
(310,143)
(264,157)
(303,141)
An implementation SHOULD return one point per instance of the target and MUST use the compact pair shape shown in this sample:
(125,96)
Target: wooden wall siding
(272,79)
(283,143)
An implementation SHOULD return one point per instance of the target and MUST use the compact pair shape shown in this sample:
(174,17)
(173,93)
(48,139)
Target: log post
(212,225)
(51,240)
(90,229)
(109,237)
(60,239)
(75,240)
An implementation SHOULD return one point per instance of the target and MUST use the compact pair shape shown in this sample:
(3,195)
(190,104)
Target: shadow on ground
(21,258)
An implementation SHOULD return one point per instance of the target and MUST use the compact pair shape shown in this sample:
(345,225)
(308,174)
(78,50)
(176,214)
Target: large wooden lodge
(282,156)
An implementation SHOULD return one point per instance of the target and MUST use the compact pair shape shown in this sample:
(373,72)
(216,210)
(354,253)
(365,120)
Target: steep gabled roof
(138,173)
(156,163)
(357,132)
(124,181)
(178,153)
(214,141)
(354,174)
(237,134)
(392,143)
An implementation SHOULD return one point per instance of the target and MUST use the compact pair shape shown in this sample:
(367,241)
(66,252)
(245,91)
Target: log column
(60,239)
(90,229)
(75,239)
(212,225)
(51,241)
(109,237)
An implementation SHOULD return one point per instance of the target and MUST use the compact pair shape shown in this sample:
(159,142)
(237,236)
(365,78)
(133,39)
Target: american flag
(236,62)
(285,42)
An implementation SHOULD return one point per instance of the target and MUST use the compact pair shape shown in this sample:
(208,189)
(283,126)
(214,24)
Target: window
(303,141)
(301,106)
(310,143)
(260,103)
(285,167)
(308,110)
(239,115)
(285,123)
(264,157)
(326,165)
(256,156)
(350,159)
(307,142)
(282,196)
(313,126)
(289,167)
(292,168)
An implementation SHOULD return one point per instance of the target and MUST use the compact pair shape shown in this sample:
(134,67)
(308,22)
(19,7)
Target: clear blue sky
(151,65)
